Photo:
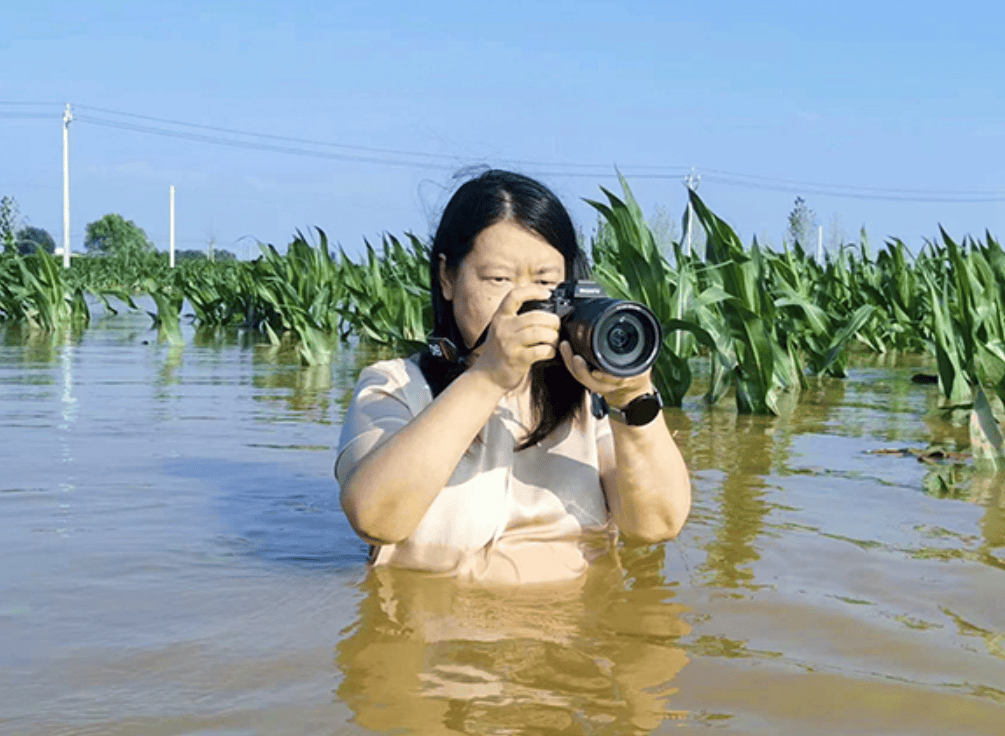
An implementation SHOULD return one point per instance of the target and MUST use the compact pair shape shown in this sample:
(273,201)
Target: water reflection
(219,338)
(745,448)
(427,655)
(38,346)
(819,403)
(990,491)
(167,373)
(280,378)
(960,479)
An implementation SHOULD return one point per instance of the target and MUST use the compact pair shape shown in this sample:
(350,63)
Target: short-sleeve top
(506,516)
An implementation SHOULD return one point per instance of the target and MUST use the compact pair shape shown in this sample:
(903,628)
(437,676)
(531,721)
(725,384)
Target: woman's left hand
(616,390)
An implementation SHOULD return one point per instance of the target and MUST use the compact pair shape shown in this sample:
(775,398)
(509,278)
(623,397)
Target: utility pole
(691,181)
(67,119)
(171,231)
(211,243)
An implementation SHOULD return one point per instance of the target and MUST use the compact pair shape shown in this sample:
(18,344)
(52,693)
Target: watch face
(642,410)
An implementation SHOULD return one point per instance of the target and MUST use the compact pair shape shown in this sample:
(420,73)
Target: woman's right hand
(516,341)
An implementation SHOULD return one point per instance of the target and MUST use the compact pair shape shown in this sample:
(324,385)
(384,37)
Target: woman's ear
(446,280)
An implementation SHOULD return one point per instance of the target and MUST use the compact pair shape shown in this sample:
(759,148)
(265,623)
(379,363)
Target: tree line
(112,235)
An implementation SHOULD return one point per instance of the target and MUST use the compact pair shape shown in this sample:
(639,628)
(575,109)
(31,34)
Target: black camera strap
(598,406)
(444,348)
(442,361)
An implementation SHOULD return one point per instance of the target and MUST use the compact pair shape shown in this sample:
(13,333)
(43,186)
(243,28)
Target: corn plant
(33,291)
(804,326)
(387,296)
(749,353)
(220,294)
(296,297)
(120,273)
(967,325)
(168,297)
(898,294)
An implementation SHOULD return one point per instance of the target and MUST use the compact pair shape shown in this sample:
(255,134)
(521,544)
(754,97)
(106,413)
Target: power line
(599,169)
(234,143)
(269,136)
(305,147)
(455,162)
(857,188)
(369,149)
(864,193)
(25,115)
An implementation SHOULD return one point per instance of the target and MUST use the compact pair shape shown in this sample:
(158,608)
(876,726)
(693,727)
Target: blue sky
(887,115)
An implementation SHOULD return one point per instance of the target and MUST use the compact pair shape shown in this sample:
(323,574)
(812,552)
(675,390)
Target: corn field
(761,321)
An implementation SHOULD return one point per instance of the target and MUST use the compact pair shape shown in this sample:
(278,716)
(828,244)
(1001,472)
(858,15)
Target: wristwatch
(640,410)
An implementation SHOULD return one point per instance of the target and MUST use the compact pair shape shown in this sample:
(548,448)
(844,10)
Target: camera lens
(620,338)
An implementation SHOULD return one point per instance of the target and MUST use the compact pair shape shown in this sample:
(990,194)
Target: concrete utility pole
(691,181)
(171,231)
(67,119)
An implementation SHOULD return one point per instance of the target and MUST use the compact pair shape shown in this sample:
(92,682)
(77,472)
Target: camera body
(616,336)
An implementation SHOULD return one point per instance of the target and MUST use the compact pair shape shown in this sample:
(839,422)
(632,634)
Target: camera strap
(442,361)
(598,406)
(445,349)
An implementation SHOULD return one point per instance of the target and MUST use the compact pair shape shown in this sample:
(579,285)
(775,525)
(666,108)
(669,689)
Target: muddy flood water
(173,560)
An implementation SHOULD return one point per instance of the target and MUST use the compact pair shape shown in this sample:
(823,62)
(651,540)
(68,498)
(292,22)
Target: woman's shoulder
(397,369)
(397,376)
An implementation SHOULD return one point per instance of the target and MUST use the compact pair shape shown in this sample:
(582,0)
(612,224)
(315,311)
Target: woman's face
(504,256)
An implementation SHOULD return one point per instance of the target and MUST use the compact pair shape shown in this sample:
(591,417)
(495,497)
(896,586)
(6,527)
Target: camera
(619,337)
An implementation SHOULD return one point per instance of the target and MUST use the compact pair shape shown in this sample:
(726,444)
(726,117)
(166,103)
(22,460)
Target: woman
(481,458)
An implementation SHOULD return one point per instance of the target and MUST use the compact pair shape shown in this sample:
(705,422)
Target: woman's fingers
(529,343)
(537,332)
(613,388)
(595,381)
(517,341)
(515,299)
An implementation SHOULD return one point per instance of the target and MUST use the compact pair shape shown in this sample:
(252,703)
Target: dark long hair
(497,196)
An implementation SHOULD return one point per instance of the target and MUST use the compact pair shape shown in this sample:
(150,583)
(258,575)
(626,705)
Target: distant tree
(113,235)
(664,229)
(802,223)
(835,233)
(190,254)
(10,219)
(31,239)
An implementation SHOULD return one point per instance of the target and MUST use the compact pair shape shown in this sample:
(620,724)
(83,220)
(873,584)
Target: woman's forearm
(391,489)
(648,487)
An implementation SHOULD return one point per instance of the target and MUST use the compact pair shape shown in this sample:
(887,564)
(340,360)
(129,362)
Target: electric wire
(857,187)
(370,149)
(306,147)
(598,170)
(203,138)
(873,193)
(25,115)
(269,136)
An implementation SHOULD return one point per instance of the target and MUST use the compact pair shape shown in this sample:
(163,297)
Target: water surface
(173,561)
